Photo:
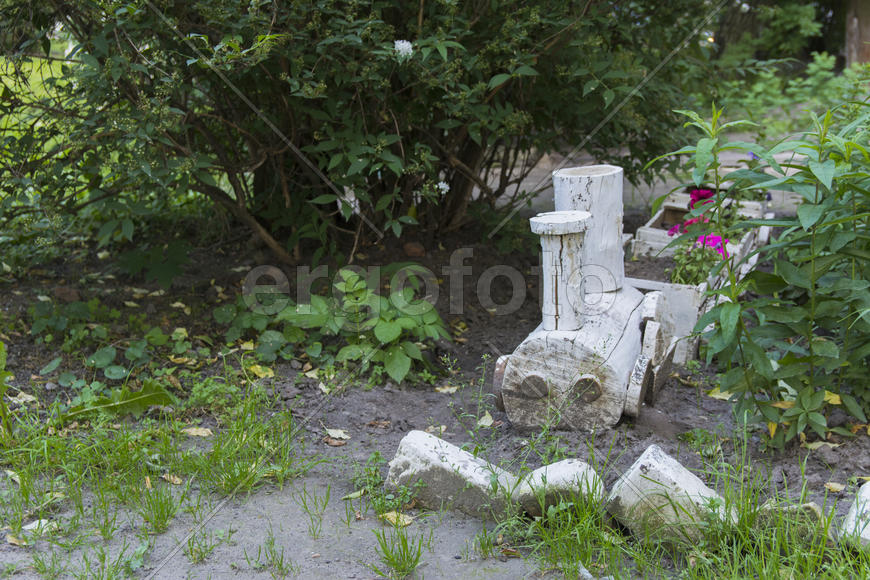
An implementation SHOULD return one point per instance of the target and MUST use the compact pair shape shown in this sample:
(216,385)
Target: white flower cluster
(403,49)
(443,187)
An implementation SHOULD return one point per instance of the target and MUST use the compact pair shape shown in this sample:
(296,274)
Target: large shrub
(277,111)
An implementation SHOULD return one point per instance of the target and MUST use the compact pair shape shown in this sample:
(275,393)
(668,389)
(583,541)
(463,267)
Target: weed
(314,506)
(399,554)
(200,546)
(49,566)
(157,506)
(271,559)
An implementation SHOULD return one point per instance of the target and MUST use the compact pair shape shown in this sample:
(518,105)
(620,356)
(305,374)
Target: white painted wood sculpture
(583,366)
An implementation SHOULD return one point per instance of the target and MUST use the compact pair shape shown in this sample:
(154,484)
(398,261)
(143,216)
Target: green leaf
(387,332)
(825,347)
(350,352)
(225,314)
(729,315)
(50,367)
(853,407)
(324,199)
(115,372)
(102,358)
(590,86)
(824,172)
(155,337)
(809,214)
(124,401)
(497,80)
(397,363)
(412,350)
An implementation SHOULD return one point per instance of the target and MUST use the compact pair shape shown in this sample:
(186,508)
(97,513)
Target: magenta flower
(675,229)
(702,195)
(715,242)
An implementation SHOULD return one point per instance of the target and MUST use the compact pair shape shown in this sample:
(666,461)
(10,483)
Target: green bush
(278,112)
(794,343)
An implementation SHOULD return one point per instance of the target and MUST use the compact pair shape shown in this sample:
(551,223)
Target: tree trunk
(858,32)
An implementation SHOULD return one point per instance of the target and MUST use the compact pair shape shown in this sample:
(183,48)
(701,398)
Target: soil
(376,419)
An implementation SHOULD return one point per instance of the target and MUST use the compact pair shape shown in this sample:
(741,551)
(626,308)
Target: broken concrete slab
(452,477)
(855,528)
(658,499)
(549,484)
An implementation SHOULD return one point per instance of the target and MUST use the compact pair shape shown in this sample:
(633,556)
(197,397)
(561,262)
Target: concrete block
(453,478)
(639,383)
(551,483)
(855,528)
(662,371)
(653,342)
(660,500)
(651,308)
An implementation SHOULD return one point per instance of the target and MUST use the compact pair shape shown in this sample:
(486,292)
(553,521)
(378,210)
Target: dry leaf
(440,430)
(130,304)
(485,421)
(35,525)
(261,371)
(720,395)
(510,553)
(198,431)
(783,404)
(173,479)
(397,519)
(247,345)
(179,360)
(460,340)
(448,389)
(834,487)
(355,495)
(22,398)
(323,388)
(337,433)
(334,442)
(157,293)
(148,482)
(10,539)
(771,428)
(817,444)
(832,398)
(379,424)
(181,305)
(307,367)
(311,374)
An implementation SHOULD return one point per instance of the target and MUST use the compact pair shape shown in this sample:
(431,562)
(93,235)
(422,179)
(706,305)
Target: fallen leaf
(783,404)
(148,482)
(396,519)
(247,345)
(832,398)
(197,431)
(337,433)
(510,553)
(261,371)
(323,388)
(834,487)
(771,428)
(485,421)
(717,394)
(22,398)
(355,495)
(440,430)
(312,374)
(130,304)
(240,269)
(448,389)
(103,255)
(173,479)
(855,428)
(334,442)
(863,477)
(379,424)
(10,539)
(818,444)
(35,524)
(307,367)
(460,340)
(157,293)
(179,360)
(182,306)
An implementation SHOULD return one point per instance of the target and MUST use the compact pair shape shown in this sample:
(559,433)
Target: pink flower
(715,242)
(675,229)
(697,195)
